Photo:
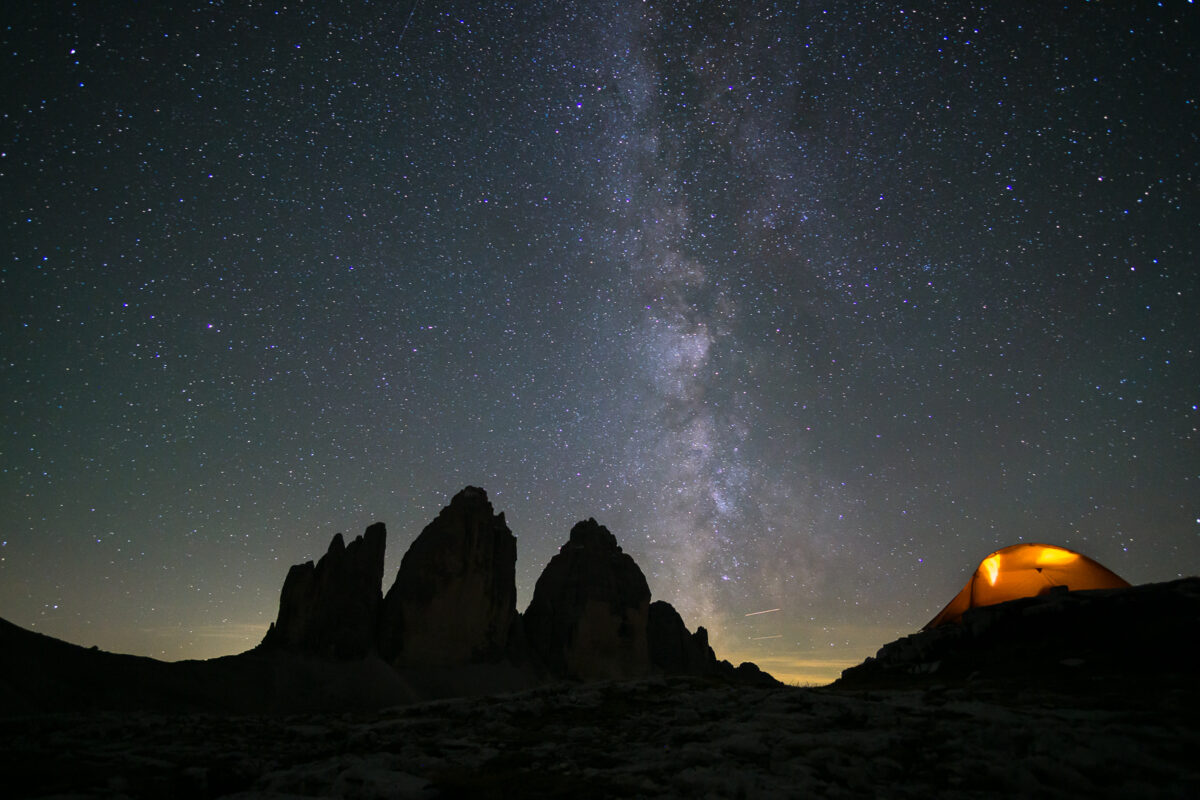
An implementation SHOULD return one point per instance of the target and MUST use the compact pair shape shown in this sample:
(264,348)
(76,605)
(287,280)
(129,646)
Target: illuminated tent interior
(1026,570)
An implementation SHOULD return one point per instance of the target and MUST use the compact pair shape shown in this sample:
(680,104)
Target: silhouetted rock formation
(588,616)
(447,628)
(454,599)
(330,609)
(674,650)
(449,624)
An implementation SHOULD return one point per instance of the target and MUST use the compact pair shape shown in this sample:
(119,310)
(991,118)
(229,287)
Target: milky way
(812,306)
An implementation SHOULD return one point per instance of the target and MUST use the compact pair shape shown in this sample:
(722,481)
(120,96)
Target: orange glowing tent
(1026,570)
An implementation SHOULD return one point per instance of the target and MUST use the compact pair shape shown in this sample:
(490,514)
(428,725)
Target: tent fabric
(1026,570)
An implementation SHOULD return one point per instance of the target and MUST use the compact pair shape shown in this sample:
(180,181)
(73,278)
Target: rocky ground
(683,737)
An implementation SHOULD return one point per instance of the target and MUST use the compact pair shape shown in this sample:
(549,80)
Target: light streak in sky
(756,613)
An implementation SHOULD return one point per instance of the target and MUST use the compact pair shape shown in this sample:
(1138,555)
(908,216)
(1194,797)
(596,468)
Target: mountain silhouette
(452,609)
(447,627)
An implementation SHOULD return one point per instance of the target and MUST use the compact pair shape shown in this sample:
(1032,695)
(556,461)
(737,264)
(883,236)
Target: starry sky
(813,305)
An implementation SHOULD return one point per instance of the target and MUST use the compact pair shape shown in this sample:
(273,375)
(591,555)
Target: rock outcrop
(674,650)
(454,599)
(330,609)
(1096,639)
(449,624)
(588,616)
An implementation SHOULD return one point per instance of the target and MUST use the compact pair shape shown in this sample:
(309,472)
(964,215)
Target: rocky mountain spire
(674,649)
(588,616)
(330,609)
(454,599)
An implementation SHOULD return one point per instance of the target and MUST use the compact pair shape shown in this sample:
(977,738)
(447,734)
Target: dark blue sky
(814,306)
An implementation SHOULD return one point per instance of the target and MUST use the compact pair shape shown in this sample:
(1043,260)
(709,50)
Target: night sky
(812,305)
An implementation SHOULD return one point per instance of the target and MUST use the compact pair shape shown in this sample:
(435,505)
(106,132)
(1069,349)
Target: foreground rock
(454,599)
(588,615)
(330,609)
(1078,641)
(659,738)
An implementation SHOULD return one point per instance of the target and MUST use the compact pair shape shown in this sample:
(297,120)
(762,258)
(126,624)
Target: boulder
(589,612)
(454,599)
(330,609)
